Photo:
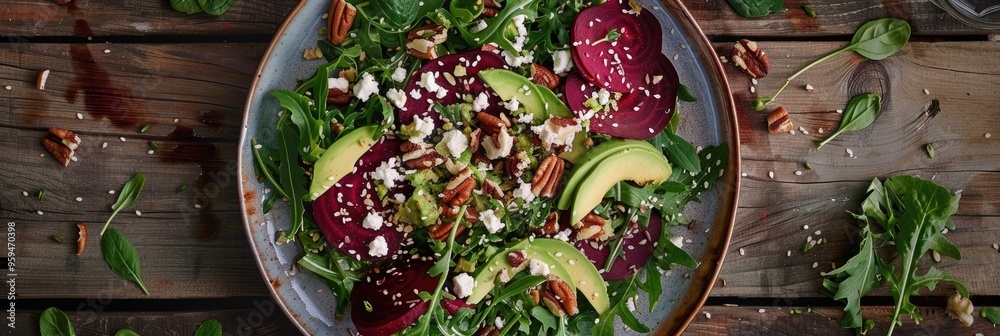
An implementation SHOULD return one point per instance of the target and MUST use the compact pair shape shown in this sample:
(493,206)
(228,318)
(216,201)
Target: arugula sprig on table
(909,215)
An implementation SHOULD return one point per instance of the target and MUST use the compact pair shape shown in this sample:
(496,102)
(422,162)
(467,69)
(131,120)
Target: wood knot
(871,77)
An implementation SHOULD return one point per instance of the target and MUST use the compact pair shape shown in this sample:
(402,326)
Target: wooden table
(187,77)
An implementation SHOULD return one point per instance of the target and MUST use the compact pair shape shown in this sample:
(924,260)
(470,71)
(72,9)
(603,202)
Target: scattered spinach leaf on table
(186,6)
(126,332)
(875,40)
(54,322)
(122,257)
(756,8)
(209,328)
(861,111)
(128,195)
(991,313)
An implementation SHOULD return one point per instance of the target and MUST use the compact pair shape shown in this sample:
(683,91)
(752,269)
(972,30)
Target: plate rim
(728,213)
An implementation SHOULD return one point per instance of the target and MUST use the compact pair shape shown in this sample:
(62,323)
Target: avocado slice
(340,158)
(537,100)
(592,157)
(570,265)
(637,165)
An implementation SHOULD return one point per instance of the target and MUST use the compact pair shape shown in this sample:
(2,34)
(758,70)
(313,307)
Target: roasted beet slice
(453,305)
(392,293)
(622,64)
(640,115)
(341,210)
(638,249)
(442,68)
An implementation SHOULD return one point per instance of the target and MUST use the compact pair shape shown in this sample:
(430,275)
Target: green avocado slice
(339,160)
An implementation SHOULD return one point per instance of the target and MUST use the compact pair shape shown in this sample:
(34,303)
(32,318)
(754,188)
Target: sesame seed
(840,111)
(996,247)
(122,139)
(818,232)
(987,135)
(803,130)
(25,193)
(927,92)
(792,132)
(107,51)
(805,227)
(708,315)
(8,88)
(176,120)
(753,80)
(788,254)
(743,252)
(197,206)
(761,310)
(112,192)
(850,153)
(138,213)
(743,174)
(815,264)
(104,145)
(821,131)
(40,212)
(753,89)
(79,116)
(770,174)
(150,152)
(798,172)
(79,199)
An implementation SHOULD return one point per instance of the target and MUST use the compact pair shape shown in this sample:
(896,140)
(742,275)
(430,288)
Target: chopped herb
(930,149)
(182,188)
(809,10)
(58,239)
(41,194)
(154,146)
(808,165)
(144,129)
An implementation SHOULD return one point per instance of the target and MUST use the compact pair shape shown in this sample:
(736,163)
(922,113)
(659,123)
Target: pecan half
(493,189)
(340,20)
(551,302)
(516,258)
(749,58)
(422,159)
(336,96)
(491,9)
(547,176)
(590,227)
(565,294)
(410,146)
(543,76)
(491,124)
(422,41)
(551,225)
(443,230)
(487,330)
(514,165)
(779,121)
(62,144)
(82,241)
(459,189)
(471,214)
(475,138)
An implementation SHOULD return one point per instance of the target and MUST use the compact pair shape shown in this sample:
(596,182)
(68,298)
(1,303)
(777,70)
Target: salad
(462,167)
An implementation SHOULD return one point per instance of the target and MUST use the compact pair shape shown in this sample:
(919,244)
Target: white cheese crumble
(678,241)
(429,82)
(538,267)
(523,191)
(399,75)
(553,135)
(456,142)
(366,87)
(378,247)
(373,221)
(339,84)
(562,61)
(500,146)
(512,105)
(422,127)
(463,285)
(387,173)
(481,102)
(397,97)
(564,235)
(492,222)
(480,26)
(526,118)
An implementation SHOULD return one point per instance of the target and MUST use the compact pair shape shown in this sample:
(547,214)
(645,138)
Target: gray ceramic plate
(709,121)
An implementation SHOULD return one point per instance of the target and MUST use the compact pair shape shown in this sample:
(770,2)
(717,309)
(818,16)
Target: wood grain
(185,251)
(262,319)
(773,212)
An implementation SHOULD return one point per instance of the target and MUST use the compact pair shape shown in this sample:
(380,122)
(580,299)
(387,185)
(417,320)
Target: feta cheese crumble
(422,127)
(492,222)
(523,191)
(463,285)
(562,61)
(428,82)
(397,97)
(553,135)
(378,247)
(538,267)
(399,75)
(366,87)
(373,221)
(456,142)
(387,173)
(481,102)
(339,84)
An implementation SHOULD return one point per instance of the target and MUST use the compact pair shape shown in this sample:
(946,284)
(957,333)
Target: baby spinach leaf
(209,328)
(685,94)
(54,322)
(875,40)
(126,332)
(128,195)
(756,8)
(122,257)
(186,6)
(860,112)
(990,313)
(398,16)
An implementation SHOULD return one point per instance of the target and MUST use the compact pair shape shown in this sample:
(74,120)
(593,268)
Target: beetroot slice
(473,61)
(390,292)
(621,65)
(341,210)
(640,115)
(453,305)
(641,240)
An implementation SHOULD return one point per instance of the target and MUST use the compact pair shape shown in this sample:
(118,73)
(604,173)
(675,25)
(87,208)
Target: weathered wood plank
(42,18)
(778,320)
(137,17)
(832,18)
(263,319)
(774,211)
(186,252)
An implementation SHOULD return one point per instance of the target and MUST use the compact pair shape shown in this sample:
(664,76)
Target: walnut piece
(960,308)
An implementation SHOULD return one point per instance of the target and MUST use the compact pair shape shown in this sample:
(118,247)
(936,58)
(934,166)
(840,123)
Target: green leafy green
(397,16)
(911,213)
(209,328)
(681,153)
(41,194)
(128,195)
(215,7)
(756,8)
(809,10)
(122,257)
(54,322)
(340,271)
(627,290)
(684,93)
(990,313)
(861,111)
(126,332)
(874,40)
(466,10)
(930,149)
(292,177)
(186,6)
(434,311)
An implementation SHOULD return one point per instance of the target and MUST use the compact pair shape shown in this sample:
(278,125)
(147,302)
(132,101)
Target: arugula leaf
(684,93)
(627,289)
(339,270)
(756,8)
(861,111)
(860,275)
(292,177)
(54,322)
(440,268)
(466,10)
(128,195)
(308,126)
(876,40)
(209,328)
(122,257)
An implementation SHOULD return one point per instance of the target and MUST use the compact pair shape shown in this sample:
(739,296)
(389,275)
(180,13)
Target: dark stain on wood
(101,99)
(208,186)
(932,109)
(214,119)
(897,8)
(745,117)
